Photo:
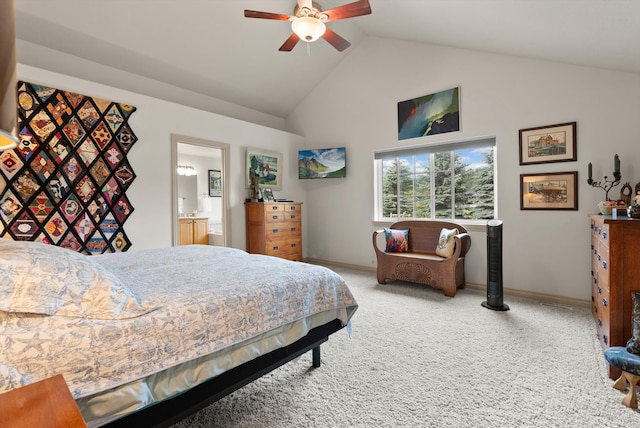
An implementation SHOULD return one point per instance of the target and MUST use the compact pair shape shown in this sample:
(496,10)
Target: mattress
(174,318)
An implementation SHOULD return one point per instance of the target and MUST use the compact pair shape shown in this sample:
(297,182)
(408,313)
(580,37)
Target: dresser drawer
(275,230)
(604,334)
(601,261)
(280,247)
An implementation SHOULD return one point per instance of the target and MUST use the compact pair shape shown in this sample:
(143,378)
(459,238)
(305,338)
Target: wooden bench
(421,264)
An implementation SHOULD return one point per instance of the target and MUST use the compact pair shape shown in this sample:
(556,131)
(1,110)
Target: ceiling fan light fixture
(308,28)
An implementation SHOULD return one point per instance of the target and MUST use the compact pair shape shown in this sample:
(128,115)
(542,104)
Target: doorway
(191,195)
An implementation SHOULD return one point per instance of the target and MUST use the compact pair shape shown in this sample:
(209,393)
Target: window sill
(470,225)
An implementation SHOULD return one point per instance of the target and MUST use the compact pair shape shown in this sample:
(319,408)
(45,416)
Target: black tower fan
(494,267)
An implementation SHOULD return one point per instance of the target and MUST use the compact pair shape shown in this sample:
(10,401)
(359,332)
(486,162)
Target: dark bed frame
(172,410)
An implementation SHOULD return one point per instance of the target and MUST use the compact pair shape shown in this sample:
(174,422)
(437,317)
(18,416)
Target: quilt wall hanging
(66,181)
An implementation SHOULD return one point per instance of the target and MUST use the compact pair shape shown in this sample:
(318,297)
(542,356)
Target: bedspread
(203,299)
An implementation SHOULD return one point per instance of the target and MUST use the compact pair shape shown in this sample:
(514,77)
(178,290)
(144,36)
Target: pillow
(633,345)
(446,244)
(45,279)
(397,240)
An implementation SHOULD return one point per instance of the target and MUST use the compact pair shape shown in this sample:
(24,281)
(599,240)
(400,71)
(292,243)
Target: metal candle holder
(605,184)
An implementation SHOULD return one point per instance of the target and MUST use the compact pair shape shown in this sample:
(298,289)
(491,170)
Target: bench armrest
(463,242)
(375,240)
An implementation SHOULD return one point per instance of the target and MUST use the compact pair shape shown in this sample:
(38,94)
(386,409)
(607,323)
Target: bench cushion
(619,358)
(446,244)
(397,240)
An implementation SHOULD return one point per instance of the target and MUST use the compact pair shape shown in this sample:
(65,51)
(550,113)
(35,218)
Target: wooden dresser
(193,230)
(47,403)
(275,229)
(615,273)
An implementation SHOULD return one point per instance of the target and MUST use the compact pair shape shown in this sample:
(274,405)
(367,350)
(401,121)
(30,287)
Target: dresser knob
(599,290)
(599,257)
(293,245)
(275,247)
(275,230)
(604,235)
(599,322)
(604,264)
(605,339)
(604,302)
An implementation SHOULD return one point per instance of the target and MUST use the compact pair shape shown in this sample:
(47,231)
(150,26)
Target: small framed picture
(546,144)
(215,183)
(267,195)
(549,191)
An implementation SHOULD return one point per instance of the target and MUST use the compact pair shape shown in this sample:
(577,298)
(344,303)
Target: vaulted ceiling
(205,52)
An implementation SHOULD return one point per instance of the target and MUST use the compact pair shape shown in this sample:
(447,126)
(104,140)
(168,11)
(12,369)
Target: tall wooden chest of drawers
(275,229)
(615,273)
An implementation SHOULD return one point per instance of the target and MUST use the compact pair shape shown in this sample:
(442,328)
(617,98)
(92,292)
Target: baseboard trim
(541,297)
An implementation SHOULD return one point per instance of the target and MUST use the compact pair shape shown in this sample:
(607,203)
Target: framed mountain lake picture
(322,163)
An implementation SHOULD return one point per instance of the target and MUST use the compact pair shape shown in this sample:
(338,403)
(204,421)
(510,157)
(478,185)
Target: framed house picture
(549,191)
(215,183)
(267,166)
(545,144)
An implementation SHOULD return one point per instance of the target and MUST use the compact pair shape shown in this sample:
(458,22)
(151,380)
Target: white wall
(356,106)
(153,123)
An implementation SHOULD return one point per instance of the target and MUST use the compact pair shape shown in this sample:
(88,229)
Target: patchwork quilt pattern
(66,181)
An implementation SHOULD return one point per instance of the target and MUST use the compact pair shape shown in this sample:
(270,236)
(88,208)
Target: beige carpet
(419,359)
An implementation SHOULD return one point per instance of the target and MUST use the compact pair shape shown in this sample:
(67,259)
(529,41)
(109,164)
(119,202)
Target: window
(448,181)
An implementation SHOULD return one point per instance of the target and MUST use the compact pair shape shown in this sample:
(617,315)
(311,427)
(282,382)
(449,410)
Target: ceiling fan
(308,22)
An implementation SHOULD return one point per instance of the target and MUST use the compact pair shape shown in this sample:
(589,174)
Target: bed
(146,337)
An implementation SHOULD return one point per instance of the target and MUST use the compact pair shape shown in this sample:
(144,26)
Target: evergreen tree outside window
(452,181)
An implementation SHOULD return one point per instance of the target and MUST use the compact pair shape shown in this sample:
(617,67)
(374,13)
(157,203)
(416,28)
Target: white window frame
(431,148)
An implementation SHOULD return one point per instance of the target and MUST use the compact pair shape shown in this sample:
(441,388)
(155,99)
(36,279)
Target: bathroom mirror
(187,194)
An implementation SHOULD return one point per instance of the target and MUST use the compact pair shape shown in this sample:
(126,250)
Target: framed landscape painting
(545,144)
(429,115)
(267,166)
(549,191)
(322,163)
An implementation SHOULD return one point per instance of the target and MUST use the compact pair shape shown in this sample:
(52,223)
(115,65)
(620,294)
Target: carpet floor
(419,359)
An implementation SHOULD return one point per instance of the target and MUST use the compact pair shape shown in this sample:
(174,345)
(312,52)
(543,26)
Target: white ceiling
(208,47)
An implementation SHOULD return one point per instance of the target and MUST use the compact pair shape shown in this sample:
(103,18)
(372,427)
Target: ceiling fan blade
(350,10)
(290,43)
(265,15)
(335,40)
